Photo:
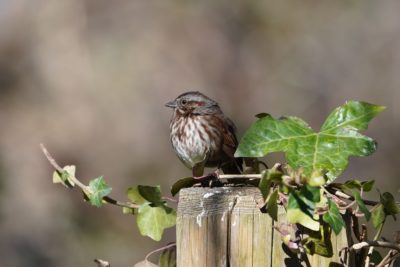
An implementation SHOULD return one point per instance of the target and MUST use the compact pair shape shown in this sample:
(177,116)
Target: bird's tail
(235,166)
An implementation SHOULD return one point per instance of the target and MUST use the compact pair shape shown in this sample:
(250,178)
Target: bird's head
(191,102)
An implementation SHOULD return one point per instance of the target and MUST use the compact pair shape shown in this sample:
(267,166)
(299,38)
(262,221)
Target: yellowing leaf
(135,196)
(64,179)
(152,221)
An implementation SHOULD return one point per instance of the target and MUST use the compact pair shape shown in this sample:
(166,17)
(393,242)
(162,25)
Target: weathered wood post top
(223,226)
(217,226)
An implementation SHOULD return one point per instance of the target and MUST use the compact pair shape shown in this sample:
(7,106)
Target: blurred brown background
(90,80)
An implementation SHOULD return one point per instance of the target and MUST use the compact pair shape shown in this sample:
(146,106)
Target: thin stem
(115,202)
(343,195)
(379,232)
(84,187)
(61,170)
(371,249)
(159,249)
(381,244)
(388,258)
(240,176)
(170,199)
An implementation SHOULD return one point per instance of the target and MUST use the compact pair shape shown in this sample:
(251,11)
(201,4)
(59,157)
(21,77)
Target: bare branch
(159,249)
(382,244)
(84,187)
(240,176)
(388,258)
(343,195)
(170,199)
(51,159)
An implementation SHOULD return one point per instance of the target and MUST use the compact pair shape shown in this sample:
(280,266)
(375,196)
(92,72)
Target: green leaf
(378,215)
(361,204)
(262,115)
(64,177)
(152,221)
(168,257)
(333,217)
(317,246)
(317,178)
(143,194)
(352,184)
(265,185)
(368,185)
(269,176)
(135,196)
(301,207)
(389,204)
(183,183)
(272,205)
(98,189)
(327,150)
(319,242)
(151,193)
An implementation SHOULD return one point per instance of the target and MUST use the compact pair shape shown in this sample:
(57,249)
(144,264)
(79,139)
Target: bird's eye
(183,102)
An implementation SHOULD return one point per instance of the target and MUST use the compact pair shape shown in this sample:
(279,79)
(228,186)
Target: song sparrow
(201,135)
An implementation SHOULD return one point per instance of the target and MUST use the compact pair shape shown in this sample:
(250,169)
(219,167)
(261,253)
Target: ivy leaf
(152,221)
(389,204)
(97,190)
(270,175)
(366,186)
(361,205)
(317,246)
(301,205)
(327,150)
(135,196)
(183,183)
(378,215)
(151,194)
(272,205)
(168,257)
(319,242)
(333,217)
(64,177)
(317,178)
(352,184)
(265,184)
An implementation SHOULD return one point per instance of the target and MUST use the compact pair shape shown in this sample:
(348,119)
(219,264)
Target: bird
(202,136)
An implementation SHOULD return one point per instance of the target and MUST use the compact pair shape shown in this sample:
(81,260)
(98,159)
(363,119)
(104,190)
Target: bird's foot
(209,176)
(209,180)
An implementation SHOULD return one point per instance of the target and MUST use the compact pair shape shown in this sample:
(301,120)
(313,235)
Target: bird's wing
(230,142)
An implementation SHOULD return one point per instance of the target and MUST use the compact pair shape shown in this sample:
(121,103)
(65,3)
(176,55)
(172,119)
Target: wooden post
(223,226)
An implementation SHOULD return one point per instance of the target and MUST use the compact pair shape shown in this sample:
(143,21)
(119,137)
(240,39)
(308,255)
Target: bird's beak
(171,104)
